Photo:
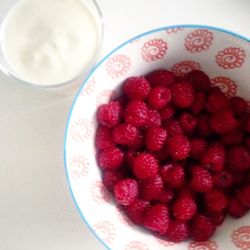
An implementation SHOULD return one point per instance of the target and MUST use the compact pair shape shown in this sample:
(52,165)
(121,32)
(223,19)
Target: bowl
(51,40)
(222,54)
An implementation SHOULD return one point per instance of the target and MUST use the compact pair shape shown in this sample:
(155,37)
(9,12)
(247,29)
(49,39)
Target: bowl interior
(224,56)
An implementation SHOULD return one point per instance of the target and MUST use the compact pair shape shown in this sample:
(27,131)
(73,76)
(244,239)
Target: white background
(36,210)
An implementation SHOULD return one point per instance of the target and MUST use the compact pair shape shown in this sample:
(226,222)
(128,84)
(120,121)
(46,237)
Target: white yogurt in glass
(49,42)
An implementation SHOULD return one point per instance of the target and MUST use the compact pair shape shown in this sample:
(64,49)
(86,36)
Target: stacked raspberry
(175,154)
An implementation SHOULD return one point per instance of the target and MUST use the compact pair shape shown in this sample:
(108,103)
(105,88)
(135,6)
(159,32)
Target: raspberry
(138,142)
(136,113)
(125,134)
(109,114)
(126,191)
(202,180)
(244,195)
(223,179)
(130,156)
(199,103)
(145,166)
(247,143)
(155,138)
(159,97)
(136,87)
(217,101)
(238,158)
(179,146)
(238,104)
(136,211)
(244,122)
(239,178)
(188,122)
(167,196)
(202,228)
(103,138)
(198,146)
(215,200)
(184,208)
(110,178)
(160,78)
(200,80)
(223,122)
(182,94)
(177,231)
(154,118)
(204,127)
(151,188)
(162,154)
(233,138)
(217,218)
(157,218)
(110,158)
(214,157)
(173,175)
(235,208)
(167,112)
(173,127)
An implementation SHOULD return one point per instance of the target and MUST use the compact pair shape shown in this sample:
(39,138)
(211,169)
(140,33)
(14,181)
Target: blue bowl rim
(92,72)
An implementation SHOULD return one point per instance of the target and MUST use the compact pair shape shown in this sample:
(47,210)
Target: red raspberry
(214,157)
(103,138)
(167,196)
(186,191)
(110,178)
(188,122)
(184,208)
(110,158)
(173,175)
(202,180)
(177,231)
(238,104)
(199,103)
(136,113)
(167,112)
(235,208)
(145,166)
(223,179)
(160,77)
(198,146)
(223,122)
(159,97)
(179,146)
(238,158)
(204,127)
(182,94)
(136,211)
(202,228)
(233,138)
(151,188)
(109,114)
(157,218)
(136,87)
(244,195)
(126,191)
(173,127)
(200,80)
(215,200)
(138,142)
(125,134)
(155,138)
(154,118)
(217,218)
(217,101)
(239,178)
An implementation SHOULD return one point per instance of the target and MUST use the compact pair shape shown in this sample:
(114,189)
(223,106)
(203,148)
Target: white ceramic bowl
(223,55)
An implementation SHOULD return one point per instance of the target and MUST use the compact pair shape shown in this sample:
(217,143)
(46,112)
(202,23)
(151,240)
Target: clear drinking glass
(6,5)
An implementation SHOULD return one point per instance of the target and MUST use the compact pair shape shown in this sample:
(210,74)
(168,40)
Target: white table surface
(36,209)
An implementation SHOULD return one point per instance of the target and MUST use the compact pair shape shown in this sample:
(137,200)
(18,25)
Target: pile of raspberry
(174,152)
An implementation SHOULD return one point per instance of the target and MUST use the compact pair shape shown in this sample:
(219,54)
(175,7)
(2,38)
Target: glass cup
(93,7)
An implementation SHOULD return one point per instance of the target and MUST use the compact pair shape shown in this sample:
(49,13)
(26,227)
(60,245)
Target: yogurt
(49,42)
